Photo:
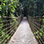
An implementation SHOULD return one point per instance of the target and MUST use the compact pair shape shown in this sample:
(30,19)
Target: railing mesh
(37,28)
(8,27)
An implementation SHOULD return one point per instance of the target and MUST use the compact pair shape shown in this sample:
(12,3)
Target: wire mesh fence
(8,27)
(37,28)
(8,21)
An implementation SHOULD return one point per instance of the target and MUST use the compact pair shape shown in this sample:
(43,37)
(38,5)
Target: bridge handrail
(36,28)
(8,27)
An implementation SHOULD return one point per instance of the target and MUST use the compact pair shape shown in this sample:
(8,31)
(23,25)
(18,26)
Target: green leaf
(3,4)
(0,8)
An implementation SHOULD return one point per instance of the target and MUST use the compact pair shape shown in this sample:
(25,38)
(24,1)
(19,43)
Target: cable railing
(37,28)
(8,27)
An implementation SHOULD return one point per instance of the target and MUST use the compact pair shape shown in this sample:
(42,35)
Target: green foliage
(7,8)
(39,33)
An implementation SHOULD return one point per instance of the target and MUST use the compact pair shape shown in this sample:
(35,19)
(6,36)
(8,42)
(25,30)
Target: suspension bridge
(23,34)
(29,30)
(21,22)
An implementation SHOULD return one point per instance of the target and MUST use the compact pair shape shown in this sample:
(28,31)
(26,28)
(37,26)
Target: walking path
(23,34)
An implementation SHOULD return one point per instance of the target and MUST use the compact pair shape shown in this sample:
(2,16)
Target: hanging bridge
(23,34)
(21,21)
(28,32)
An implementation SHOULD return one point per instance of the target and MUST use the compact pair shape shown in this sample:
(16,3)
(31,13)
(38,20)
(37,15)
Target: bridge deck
(23,35)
